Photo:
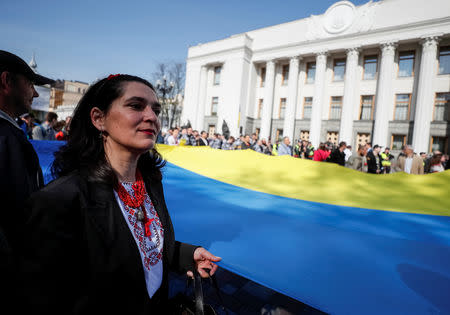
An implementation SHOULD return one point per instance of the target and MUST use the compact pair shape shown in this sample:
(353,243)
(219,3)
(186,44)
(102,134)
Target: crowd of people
(49,129)
(366,159)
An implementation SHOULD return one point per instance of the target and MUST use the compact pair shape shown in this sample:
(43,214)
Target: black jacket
(337,157)
(372,163)
(20,175)
(80,256)
(200,142)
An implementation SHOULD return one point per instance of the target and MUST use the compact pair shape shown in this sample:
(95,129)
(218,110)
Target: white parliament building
(378,72)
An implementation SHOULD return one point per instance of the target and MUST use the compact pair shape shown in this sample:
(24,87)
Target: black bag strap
(219,296)
(198,291)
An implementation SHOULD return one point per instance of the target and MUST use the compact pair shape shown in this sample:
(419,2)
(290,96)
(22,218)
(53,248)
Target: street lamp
(163,88)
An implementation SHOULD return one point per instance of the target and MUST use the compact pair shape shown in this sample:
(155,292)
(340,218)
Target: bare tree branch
(175,73)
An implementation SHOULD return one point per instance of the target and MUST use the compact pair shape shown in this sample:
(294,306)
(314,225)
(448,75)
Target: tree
(170,90)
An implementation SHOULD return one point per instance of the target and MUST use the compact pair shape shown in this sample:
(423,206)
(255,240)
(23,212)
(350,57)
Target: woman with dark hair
(436,165)
(100,239)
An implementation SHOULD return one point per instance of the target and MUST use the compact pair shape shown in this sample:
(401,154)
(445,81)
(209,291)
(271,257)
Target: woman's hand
(204,261)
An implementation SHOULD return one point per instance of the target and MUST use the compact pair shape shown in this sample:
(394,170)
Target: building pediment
(340,19)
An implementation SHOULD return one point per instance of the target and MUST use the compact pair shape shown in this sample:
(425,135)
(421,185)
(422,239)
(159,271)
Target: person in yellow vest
(424,157)
(275,148)
(309,153)
(386,160)
(297,149)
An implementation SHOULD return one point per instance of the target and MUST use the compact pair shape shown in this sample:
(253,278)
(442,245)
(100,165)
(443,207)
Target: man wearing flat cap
(20,173)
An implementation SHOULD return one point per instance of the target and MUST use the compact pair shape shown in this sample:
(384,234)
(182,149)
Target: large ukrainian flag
(339,240)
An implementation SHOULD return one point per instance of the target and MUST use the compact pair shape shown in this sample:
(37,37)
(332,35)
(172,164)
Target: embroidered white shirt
(150,248)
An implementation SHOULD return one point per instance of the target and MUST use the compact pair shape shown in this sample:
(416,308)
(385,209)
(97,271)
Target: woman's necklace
(136,201)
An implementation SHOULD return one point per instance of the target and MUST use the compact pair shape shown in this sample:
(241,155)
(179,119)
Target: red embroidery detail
(148,243)
(147,223)
(138,189)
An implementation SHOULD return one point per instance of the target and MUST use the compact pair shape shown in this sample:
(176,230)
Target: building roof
(342,20)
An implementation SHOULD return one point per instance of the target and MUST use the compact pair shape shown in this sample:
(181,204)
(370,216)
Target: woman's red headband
(111,76)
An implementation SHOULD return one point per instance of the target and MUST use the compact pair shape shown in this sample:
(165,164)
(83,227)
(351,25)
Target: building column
(351,67)
(384,98)
(201,99)
(425,98)
(266,119)
(289,115)
(316,112)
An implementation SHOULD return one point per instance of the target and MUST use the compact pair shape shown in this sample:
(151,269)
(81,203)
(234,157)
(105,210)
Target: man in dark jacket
(337,155)
(20,173)
(203,140)
(373,157)
(246,144)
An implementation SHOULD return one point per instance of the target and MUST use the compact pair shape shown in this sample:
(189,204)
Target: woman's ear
(98,118)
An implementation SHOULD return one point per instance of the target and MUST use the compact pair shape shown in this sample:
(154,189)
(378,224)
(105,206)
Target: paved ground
(243,296)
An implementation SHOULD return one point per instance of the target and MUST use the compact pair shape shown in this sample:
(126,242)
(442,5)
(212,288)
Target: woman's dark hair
(436,159)
(84,150)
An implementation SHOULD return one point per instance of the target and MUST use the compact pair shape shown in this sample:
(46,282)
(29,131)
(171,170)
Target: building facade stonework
(65,95)
(378,72)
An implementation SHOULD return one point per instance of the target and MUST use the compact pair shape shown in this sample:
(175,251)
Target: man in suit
(410,162)
(203,141)
(20,173)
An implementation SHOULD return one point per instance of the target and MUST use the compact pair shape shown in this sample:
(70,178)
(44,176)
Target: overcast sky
(85,40)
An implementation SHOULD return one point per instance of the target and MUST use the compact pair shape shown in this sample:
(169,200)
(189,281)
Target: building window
(397,142)
(71,88)
(402,105)
(444,60)
(441,107)
(406,63)
(370,67)
(217,71)
(362,139)
(333,136)
(282,109)
(310,72)
(307,107)
(304,135)
(211,130)
(439,144)
(279,134)
(339,69)
(260,108)
(335,107)
(214,104)
(262,76)
(284,75)
(366,112)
